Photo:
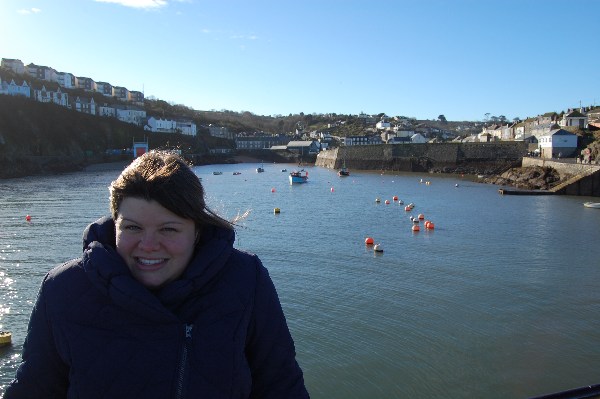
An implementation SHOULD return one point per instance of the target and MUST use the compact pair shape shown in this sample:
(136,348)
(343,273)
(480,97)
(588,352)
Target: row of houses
(125,113)
(67,80)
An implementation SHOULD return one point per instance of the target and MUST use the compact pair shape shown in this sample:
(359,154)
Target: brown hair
(166,178)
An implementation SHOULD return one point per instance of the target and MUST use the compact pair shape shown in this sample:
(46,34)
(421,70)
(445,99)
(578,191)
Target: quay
(516,191)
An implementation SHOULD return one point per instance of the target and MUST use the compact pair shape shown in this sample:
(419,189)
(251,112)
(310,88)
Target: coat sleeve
(42,373)
(270,347)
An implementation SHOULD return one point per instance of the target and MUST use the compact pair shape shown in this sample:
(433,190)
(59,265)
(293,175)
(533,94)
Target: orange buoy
(430,226)
(407,208)
(28,218)
(369,241)
(421,216)
(415,227)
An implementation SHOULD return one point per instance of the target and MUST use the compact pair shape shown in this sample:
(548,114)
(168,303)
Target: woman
(160,305)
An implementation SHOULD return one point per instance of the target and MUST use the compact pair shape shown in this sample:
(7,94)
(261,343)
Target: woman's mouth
(149,264)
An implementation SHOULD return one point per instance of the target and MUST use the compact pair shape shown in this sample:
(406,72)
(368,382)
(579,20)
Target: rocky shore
(528,178)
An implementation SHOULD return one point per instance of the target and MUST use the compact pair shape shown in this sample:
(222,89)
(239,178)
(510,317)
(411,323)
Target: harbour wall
(442,157)
(585,177)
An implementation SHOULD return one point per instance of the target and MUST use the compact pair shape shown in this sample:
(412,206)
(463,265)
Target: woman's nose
(149,242)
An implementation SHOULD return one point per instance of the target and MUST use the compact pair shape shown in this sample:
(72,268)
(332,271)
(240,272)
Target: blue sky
(419,58)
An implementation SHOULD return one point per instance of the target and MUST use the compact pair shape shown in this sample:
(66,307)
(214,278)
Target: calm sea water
(501,300)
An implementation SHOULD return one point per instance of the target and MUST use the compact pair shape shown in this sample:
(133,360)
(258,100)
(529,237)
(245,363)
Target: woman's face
(156,244)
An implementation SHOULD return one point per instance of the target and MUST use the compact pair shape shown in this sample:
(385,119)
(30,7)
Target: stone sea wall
(434,157)
(587,185)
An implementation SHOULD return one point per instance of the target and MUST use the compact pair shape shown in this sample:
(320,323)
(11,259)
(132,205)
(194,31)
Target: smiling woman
(160,304)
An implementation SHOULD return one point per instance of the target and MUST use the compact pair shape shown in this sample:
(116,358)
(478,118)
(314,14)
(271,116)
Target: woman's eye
(131,228)
(169,230)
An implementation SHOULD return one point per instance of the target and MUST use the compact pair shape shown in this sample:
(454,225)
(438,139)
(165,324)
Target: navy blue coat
(217,332)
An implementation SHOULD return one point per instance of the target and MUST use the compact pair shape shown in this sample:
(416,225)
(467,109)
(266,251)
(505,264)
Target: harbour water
(500,300)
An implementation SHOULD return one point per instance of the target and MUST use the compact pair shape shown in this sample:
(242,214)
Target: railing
(584,173)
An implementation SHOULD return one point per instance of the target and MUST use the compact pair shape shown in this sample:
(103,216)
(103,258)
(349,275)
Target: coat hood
(109,273)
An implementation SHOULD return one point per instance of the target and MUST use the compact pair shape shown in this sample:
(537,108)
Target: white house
(574,118)
(104,88)
(85,105)
(383,125)
(46,96)
(186,127)
(106,110)
(14,89)
(14,65)
(66,80)
(558,143)
(418,138)
(133,115)
(161,125)
(41,72)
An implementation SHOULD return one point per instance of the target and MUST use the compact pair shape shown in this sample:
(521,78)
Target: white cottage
(558,143)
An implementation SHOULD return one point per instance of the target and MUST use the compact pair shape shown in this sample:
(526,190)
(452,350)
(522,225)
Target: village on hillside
(552,135)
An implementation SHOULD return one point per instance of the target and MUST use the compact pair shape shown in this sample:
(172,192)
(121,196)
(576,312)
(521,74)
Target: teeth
(149,261)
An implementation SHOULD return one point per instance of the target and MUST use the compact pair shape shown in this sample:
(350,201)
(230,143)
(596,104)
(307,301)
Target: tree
(442,119)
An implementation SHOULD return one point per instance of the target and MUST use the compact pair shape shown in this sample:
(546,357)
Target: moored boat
(260,169)
(298,177)
(592,204)
(217,173)
(5,338)
(343,172)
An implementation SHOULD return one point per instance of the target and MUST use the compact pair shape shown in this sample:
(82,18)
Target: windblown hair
(166,178)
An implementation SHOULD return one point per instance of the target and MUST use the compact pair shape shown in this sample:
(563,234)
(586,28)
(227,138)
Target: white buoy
(378,248)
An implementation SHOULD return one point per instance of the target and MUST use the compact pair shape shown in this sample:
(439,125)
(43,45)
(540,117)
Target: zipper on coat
(183,361)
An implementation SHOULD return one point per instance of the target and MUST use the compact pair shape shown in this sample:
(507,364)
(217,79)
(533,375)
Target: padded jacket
(217,332)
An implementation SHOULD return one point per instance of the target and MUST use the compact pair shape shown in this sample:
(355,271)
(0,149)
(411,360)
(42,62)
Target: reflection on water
(500,300)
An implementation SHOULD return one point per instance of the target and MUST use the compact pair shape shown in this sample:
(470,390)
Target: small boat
(284,170)
(298,177)
(237,173)
(591,204)
(344,171)
(5,338)
(261,168)
(217,173)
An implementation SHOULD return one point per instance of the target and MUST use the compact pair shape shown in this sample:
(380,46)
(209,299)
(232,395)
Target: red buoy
(369,241)
(28,218)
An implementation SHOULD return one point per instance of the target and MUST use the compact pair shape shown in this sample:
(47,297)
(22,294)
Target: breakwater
(429,157)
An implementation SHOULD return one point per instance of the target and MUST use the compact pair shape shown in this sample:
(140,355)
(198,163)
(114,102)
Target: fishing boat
(261,168)
(298,177)
(344,171)
(237,173)
(591,204)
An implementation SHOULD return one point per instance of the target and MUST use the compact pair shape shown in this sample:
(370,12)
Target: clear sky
(417,58)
